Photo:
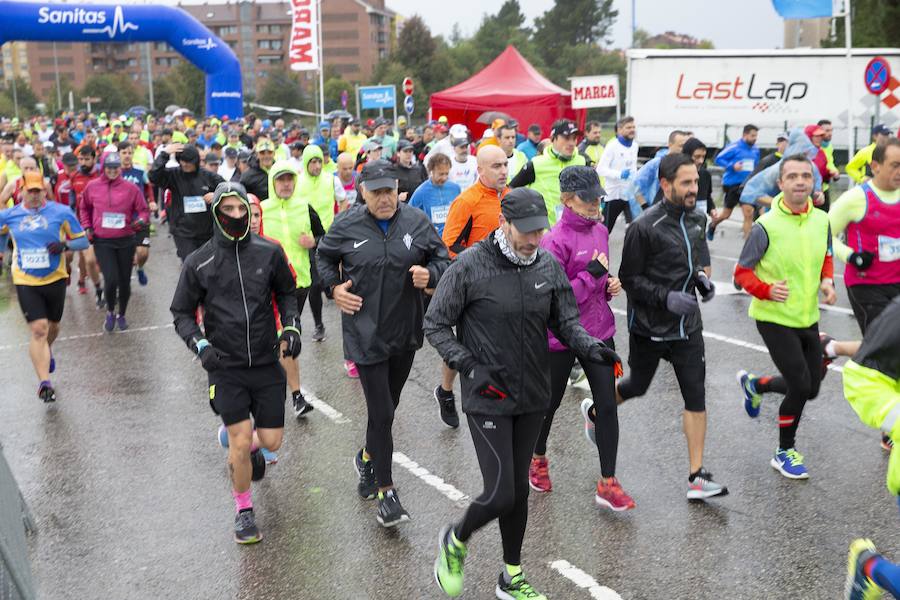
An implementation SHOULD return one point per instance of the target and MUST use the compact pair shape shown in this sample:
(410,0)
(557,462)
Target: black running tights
(611,211)
(602,380)
(382,384)
(503,445)
(116,258)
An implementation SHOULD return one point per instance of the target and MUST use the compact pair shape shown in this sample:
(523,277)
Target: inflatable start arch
(36,21)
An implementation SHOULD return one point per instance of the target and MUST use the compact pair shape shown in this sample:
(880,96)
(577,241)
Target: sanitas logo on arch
(83,16)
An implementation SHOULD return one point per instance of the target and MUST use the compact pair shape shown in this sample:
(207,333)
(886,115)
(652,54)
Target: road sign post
(408,86)
(877,78)
(409,105)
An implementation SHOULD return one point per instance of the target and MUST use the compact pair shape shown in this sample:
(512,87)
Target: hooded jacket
(235,280)
(317,191)
(256,179)
(410,178)
(286,219)
(820,160)
(110,206)
(189,215)
(765,183)
(573,241)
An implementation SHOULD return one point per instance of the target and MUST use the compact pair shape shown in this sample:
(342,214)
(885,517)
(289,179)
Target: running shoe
(152,229)
(110,323)
(121,323)
(539,474)
(576,375)
(390,512)
(586,405)
(301,406)
(271,457)
(752,399)
(447,406)
(98,292)
(858,586)
(887,444)
(702,486)
(245,529)
(258,465)
(222,436)
(611,495)
(352,371)
(789,463)
(826,339)
(46,392)
(710,233)
(52,362)
(319,333)
(82,289)
(517,588)
(142,277)
(368,483)
(448,567)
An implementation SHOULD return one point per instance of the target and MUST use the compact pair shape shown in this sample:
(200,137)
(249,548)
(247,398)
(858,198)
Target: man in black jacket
(502,295)
(234,277)
(256,178)
(664,261)
(376,259)
(410,173)
(190,218)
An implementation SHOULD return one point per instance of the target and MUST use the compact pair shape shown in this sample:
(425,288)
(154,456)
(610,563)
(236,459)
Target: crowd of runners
(494,247)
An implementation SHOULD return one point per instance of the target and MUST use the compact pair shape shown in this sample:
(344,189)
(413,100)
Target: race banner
(304,47)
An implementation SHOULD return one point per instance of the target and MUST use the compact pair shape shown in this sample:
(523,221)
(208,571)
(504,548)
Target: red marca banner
(595,91)
(304,48)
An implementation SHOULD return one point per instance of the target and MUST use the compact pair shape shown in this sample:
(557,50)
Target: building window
(339,17)
(269,44)
(337,52)
(224,30)
(270,59)
(343,35)
(276,29)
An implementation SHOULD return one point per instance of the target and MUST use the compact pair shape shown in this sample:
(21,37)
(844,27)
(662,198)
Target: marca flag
(304,46)
(804,9)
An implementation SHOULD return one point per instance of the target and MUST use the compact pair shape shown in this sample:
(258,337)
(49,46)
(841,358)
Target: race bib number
(113,220)
(747,165)
(888,248)
(439,214)
(36,258)
(194,204)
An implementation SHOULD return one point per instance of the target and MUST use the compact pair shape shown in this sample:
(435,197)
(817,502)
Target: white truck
(707,91)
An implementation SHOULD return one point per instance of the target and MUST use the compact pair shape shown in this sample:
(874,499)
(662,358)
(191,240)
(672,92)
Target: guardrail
(16,582)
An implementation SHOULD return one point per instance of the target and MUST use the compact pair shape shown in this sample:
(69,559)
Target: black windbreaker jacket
(356,249)
(235,283)
(664,249)
(501,312)
(197,225)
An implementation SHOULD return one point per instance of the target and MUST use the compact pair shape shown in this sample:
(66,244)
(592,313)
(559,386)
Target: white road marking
(447,490)
(325,408)
(83,336)
(734,259)
(584,581)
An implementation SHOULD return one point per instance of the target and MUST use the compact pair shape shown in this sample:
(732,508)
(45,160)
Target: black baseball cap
(212,159)
(582,180)
(565,127)
(525,208)
(881,129)
(231,152)
(378,174)
(244,155)
(69,159)
(404,145)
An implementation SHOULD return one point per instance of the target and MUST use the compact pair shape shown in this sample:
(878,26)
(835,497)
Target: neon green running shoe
(858,586)
(517,588)
(448,568)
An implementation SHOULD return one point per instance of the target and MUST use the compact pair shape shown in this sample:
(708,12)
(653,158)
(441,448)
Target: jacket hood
(225,190)
(280,167)
(310,152)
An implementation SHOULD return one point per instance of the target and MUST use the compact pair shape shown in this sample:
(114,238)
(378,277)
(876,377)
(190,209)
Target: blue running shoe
(122,323)
(222,436)
(752,399)
(789,463)
(142,277)
(710,233)
(110,323)
(858,586)
(271,457)
(52,362)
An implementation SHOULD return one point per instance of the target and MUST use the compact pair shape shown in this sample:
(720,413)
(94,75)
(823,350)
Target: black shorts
(732,195)
(688,358)
(235,394)
(142,237)
(42,301)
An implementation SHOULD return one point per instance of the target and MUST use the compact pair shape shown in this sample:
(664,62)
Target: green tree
(333,88)
(573,22)
(416,46)
(116,92)
(876,24)
(282,88)
(65,86)
(163,93)
(24,95)
(503,29)
(189,86)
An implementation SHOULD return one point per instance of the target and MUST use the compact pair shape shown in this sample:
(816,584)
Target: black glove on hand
(56,248)
(681,303)
(603,354)
(596,269)
(292,337)
(486,381)
(861,260)
(211,358)
(706,287)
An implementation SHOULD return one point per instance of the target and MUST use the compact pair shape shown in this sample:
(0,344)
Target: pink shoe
(351,369)
(611,495)
(539,475)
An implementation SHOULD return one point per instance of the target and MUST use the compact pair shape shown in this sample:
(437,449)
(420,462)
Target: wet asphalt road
(130,493)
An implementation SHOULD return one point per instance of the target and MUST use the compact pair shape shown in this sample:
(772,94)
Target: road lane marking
(584,581)
(447,490)
(325,408)
(84,336)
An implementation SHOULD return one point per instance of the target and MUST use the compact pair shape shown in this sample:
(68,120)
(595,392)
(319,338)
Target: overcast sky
(728,23)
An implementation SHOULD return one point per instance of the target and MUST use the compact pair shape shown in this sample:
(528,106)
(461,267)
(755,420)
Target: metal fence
(16,582)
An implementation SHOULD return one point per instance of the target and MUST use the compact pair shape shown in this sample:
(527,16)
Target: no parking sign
(878,74)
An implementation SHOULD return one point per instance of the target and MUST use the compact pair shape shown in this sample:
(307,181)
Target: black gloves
(486,379)
(56,248)
(706,287)
(291,335)
(681,303)
(211,358)
(861,260)
(596,269)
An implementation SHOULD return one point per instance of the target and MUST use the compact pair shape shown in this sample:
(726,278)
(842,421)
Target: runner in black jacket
(234,277)
(502,295)
(376,259)
(190,218)
(664,260)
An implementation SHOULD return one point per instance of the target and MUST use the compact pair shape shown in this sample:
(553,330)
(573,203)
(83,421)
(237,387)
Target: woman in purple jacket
(580,242)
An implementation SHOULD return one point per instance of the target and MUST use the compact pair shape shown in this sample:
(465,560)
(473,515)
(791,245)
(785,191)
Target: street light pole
(848,38)
(149,74)
(56,71)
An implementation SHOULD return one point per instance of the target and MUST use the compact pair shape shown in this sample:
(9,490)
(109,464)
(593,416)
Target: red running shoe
(539,475)
(611,495)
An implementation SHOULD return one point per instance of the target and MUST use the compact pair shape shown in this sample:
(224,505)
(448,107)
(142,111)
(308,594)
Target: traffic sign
(409,105)
(377,96)
(344,98)
(878,74)
(408,86)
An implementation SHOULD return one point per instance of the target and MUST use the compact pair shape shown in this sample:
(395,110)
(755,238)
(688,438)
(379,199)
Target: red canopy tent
(510,85)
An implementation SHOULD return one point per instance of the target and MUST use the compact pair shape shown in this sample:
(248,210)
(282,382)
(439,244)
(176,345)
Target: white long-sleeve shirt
(615,159)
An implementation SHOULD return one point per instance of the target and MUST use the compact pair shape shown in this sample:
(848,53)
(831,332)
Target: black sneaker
(368,483)
(47,393)
(301,406)
(447,405)
(245,529)
(390,512)
(98,291)
(258,464)
(319,333)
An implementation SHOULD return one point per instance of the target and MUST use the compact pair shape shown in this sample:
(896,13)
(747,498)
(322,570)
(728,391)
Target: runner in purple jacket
(580,242)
